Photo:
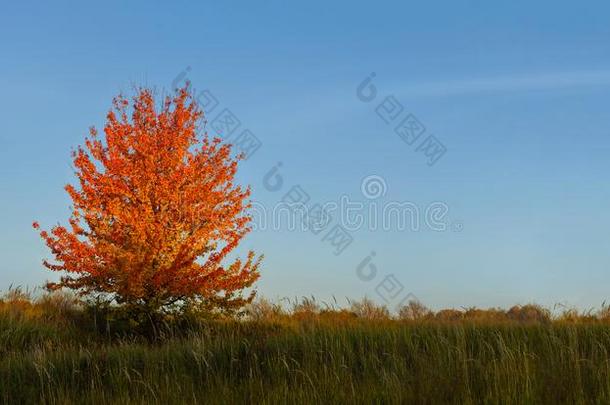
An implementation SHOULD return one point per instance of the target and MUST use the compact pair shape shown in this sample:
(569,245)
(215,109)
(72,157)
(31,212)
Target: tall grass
(305,355)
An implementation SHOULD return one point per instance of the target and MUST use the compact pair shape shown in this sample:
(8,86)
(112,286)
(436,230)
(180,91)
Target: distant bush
(529,313)
(414,311)
(484,315)
(449,315)
(367,309)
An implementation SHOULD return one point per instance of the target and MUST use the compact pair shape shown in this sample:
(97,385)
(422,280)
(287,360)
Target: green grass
(308,360)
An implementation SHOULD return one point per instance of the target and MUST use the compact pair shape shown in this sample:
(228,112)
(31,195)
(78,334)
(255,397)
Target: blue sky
(517,93)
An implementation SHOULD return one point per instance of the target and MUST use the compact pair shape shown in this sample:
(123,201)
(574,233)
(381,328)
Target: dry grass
(55,350)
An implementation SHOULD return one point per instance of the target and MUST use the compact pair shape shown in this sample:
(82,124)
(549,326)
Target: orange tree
(155,213)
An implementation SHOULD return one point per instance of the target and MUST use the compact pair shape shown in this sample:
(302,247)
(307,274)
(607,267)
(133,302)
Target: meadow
(54,350)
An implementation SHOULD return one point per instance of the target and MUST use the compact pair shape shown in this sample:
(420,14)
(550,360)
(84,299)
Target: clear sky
(518,93)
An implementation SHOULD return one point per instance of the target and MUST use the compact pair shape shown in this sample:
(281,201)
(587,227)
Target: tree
(155,213)
(414,311)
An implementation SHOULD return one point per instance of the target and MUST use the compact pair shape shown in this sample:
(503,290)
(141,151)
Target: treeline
(66,308)
(306,307)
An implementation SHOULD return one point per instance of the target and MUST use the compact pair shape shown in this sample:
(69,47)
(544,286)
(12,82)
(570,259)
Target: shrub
(414,311)
(529,313)
(367,309)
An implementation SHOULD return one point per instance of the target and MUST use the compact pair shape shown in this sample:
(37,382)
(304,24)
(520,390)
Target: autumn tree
(156,212)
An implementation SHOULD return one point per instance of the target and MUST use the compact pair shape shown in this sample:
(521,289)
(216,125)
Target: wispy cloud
(548,81)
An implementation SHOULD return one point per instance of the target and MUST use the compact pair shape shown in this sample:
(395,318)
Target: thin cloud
(550,81)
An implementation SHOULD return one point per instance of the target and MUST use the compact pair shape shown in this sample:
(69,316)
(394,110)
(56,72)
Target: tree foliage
(156,211)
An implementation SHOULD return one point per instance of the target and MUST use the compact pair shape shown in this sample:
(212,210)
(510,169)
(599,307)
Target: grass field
(53,352)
